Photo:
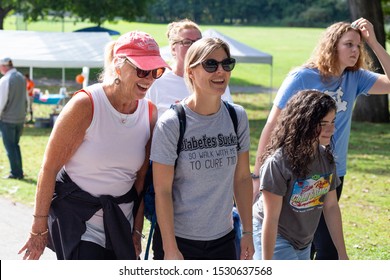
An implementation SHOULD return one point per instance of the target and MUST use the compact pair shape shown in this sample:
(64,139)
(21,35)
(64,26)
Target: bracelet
(247,232)
(254,176)
(139,233)
(39,233)
(40,216)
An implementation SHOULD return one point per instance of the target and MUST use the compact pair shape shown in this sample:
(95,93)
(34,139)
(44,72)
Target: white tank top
(107,161)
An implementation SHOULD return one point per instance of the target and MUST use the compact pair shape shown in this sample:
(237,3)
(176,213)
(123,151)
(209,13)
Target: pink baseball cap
(141,49)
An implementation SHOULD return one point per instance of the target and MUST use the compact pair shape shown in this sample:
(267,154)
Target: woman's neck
(203,105)
(120,102)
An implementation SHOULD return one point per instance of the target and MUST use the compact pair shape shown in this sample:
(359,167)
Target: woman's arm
(139,186)
(272,209)
(163,180)
(243,198)
(67,135)
(333,220)
(382,85)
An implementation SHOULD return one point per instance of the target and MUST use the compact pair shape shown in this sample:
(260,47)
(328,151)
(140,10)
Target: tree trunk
(3,13)
(371,108)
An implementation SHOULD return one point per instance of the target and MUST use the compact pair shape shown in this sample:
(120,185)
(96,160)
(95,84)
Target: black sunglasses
(156,73)
(211,65)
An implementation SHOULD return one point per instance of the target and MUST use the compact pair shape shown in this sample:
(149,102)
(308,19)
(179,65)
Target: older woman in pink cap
(96,159)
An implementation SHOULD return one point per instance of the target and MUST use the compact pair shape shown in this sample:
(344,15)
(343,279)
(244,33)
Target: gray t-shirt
(303,198)
(204,175)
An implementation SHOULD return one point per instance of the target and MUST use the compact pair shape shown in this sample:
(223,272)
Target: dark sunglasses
(211,65)
(156,73)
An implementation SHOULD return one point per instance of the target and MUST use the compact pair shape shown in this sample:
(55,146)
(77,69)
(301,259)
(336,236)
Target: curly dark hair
(298,130)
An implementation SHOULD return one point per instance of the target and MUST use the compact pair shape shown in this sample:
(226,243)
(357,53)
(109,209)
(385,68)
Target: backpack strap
(233,116)
(181,114)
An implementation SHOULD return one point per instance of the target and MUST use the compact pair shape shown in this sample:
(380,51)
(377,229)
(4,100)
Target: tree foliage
(96,11)
(270,12)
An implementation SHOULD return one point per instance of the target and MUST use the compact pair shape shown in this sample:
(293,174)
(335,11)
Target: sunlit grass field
(289,47)
(365,202)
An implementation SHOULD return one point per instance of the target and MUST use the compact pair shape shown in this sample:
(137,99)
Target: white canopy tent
(241,52)
(54,49)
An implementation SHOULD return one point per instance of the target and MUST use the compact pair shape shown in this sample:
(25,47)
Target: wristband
(39,233)
(254,176)
(40,216)
(139,233)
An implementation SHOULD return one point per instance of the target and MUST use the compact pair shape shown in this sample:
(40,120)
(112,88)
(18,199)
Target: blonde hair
(325,56)
(175,27)
(109,74)
(198,52)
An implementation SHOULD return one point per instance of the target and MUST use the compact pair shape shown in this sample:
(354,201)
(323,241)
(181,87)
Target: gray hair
(176,26)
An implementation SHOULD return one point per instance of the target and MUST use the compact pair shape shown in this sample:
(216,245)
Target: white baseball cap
(5,61)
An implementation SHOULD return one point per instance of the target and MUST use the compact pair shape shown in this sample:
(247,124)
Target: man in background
(13,105)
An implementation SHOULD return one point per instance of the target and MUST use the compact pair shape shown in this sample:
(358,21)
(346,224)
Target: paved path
(15,224)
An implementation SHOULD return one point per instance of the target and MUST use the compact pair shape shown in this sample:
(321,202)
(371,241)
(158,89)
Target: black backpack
(149,195)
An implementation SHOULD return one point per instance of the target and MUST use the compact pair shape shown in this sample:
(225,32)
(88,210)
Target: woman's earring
(117,81)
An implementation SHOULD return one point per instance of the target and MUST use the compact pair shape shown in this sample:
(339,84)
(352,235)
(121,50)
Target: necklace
(124,120)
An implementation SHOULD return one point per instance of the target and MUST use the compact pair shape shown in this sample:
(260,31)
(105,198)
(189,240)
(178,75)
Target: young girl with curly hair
(298,180)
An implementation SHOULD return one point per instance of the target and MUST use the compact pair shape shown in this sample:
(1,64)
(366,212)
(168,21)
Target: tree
(373,108)
(6,6)
(96,11)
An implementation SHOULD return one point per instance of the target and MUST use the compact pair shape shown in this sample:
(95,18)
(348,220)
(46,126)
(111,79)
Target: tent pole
(270,88)
(31,73)
(63,77)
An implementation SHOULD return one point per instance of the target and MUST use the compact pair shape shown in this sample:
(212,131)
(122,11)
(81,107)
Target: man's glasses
(211,65)
(156,73)
(187,42)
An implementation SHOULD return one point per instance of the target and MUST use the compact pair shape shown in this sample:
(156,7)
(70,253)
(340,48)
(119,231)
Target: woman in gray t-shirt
(194,199)
(298,181)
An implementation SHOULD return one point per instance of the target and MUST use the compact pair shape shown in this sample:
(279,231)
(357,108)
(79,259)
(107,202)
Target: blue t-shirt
(344,90)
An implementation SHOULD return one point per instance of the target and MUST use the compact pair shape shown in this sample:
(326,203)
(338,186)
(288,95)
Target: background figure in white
(171,88)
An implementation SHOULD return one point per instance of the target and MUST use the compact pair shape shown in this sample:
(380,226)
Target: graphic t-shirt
(303,198)
(344,91)
(204,175)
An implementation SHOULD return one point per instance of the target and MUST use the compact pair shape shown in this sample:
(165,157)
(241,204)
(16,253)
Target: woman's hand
(366,28)
(174,255)
(137,241)
(247,249)
(34,247)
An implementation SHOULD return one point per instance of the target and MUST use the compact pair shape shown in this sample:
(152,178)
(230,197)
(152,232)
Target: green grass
(366,196)
(289,47)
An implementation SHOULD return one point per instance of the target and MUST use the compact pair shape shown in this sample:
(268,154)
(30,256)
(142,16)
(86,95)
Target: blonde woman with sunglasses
(96,160)
(194,199)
